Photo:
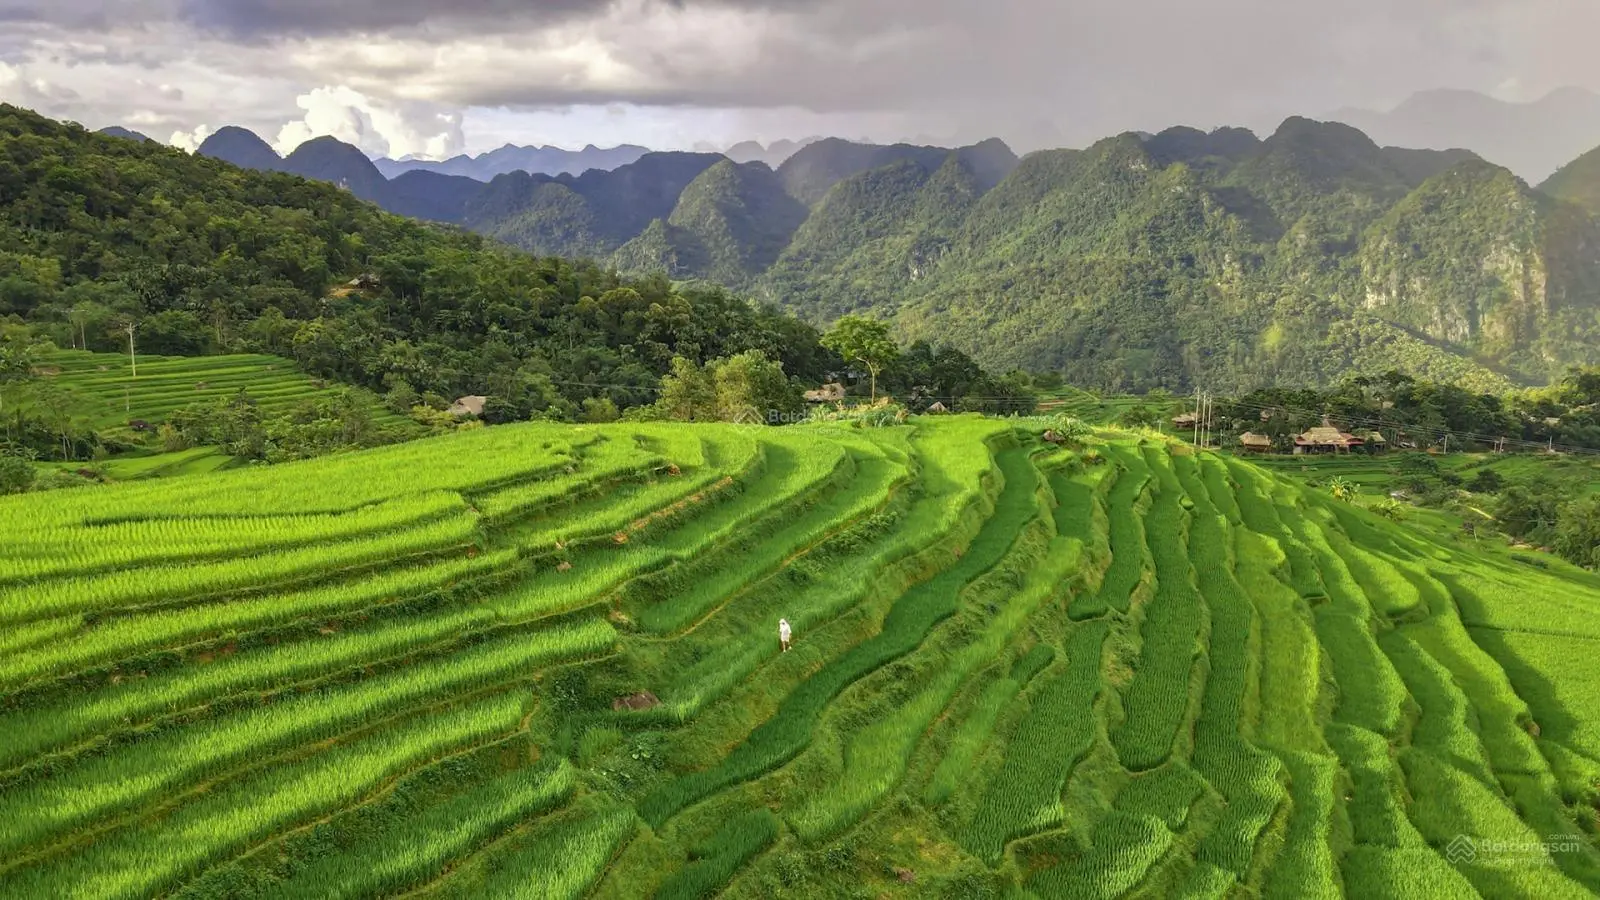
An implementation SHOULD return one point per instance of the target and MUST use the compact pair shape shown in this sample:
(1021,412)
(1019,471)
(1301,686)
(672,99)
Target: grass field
(542,661)
(110,394)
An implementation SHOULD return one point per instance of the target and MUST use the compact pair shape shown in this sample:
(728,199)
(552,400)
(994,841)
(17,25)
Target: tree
(17,358)
(866,341)
(598,409)
(1528,510)
(1139,416)
(688,393)
(1578,532)
(1488,481)
(749,384)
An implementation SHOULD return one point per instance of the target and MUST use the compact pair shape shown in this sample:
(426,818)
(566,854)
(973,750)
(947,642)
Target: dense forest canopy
(1177,260)
(98,234)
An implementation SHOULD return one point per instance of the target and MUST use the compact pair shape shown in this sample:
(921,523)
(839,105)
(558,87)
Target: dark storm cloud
(1093,67)
(86,16)
(1066,70)
(275,18)
(265,19)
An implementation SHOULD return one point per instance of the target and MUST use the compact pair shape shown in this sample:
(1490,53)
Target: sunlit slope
(542,661)
(109,391)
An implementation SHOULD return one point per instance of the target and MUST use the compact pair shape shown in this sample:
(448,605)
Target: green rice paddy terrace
(542,661)
(111,393)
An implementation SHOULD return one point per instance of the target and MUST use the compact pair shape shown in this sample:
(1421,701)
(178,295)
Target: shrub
(16,474)
(1390,508)
(1487,481)
(1068,430)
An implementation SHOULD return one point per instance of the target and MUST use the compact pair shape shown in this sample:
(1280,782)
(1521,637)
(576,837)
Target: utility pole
(1197,417)
(132,359)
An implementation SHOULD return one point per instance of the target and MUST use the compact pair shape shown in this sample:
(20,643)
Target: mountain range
(120,132)
(1531,139)
(1174,259)
(511,158)
(558,161)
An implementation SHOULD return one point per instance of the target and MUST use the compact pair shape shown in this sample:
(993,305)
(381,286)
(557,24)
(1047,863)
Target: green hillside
(1475,259)
(1577,182)
(873,236)
(206,259)
(106,388)
(731,221)
(541,660)
(1312,257)
(1174,260)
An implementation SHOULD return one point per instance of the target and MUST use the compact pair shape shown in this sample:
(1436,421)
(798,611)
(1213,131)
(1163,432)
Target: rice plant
(540,660)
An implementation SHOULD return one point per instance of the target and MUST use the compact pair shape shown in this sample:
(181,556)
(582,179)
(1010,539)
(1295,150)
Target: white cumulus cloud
(376,127)
(190,140)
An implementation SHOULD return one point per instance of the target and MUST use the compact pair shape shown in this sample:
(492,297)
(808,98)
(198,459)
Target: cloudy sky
(433,79)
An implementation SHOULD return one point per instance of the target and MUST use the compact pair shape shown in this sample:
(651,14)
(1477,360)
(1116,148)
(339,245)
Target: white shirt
(783,631)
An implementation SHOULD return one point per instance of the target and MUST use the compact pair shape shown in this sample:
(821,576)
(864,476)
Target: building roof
(468,406)
(1327,436)
(828,393)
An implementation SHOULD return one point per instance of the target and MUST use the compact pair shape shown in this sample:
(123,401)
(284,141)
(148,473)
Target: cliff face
(1477,259)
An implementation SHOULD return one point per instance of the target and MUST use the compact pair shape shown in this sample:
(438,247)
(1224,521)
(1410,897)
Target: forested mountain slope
(1166,262)
(1171,260)
(1179,259)
(97,232)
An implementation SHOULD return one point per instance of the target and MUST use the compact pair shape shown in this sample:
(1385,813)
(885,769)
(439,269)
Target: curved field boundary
(909,621)
(1158,700)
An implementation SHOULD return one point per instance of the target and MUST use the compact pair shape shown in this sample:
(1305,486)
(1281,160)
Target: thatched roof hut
(1326,438)
(828,393)
(1255,443)
(468,406)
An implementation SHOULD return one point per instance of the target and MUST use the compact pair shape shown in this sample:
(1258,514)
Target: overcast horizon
(397,78)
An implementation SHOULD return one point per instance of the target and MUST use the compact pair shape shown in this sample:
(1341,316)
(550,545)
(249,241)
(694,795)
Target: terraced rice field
(112,394)
(541,661)
(1092,408)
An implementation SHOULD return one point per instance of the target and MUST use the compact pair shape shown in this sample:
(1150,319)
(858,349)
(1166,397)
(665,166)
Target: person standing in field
(783,634)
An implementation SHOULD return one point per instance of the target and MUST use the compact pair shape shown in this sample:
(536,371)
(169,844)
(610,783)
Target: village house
(828,393)
(1251,442)
(1326,439)
(468,406)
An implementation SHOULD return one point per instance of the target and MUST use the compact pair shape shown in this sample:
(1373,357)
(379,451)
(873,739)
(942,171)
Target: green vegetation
(99,233)
(1171,260)
(541,660)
